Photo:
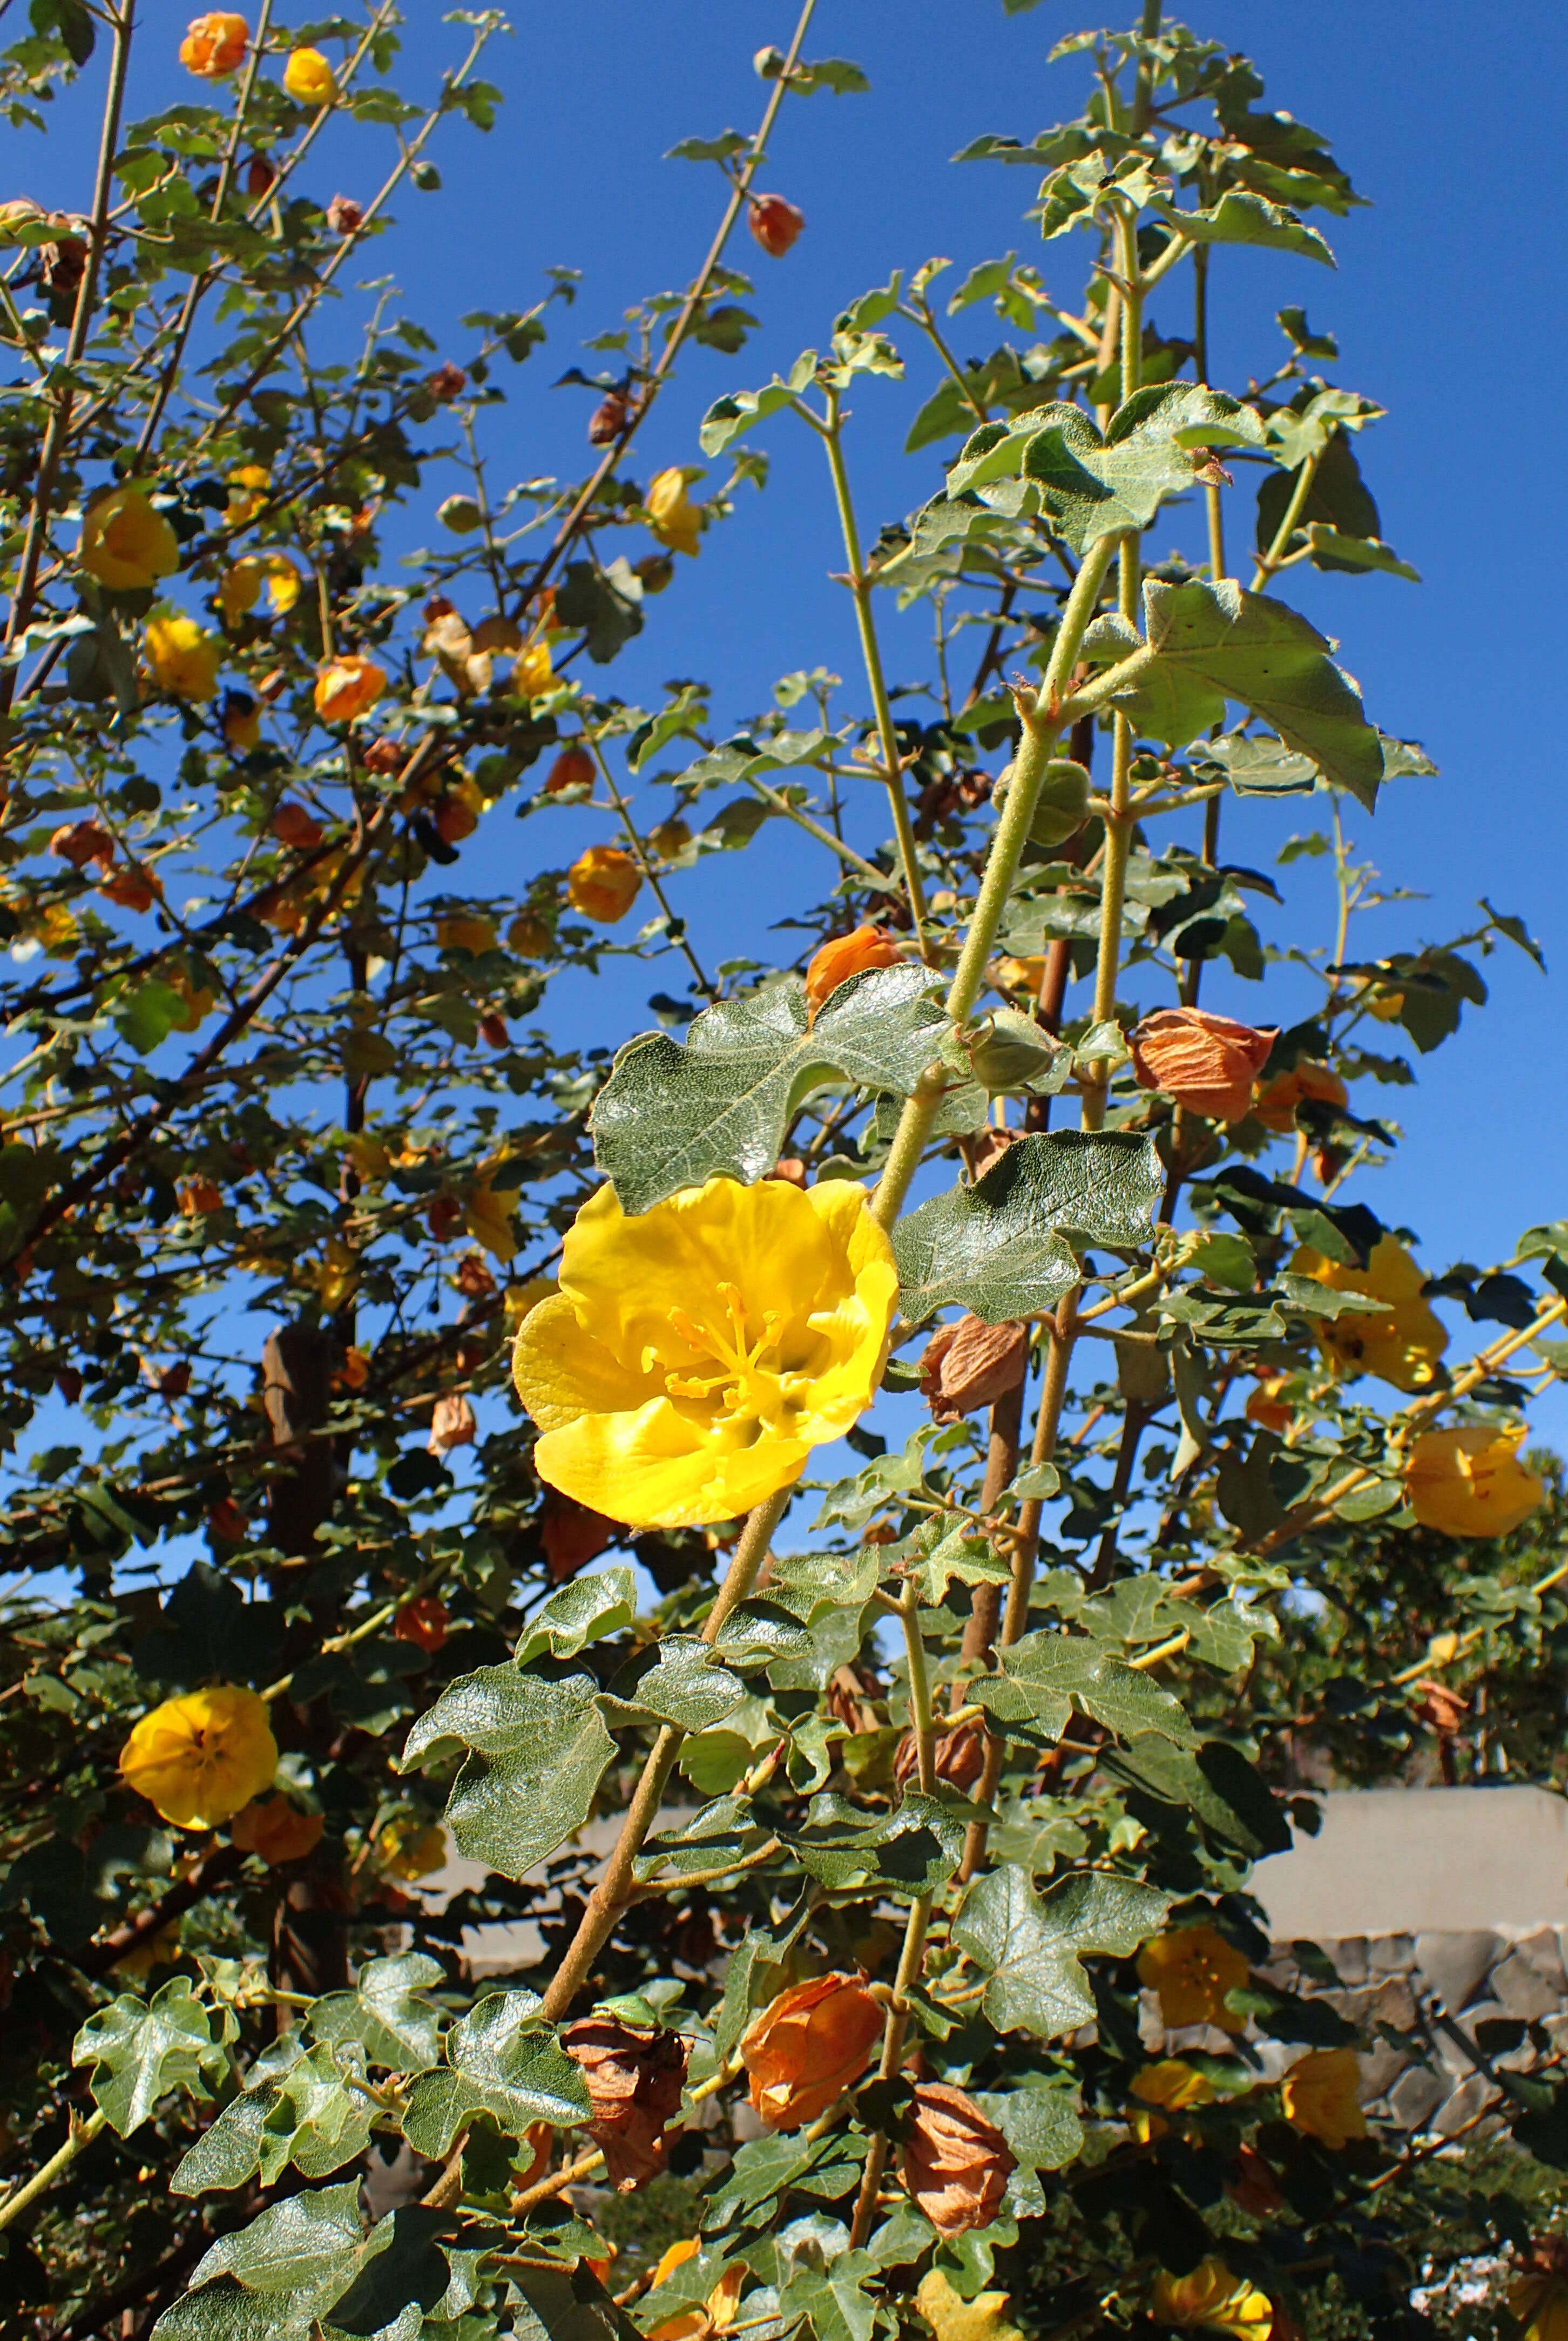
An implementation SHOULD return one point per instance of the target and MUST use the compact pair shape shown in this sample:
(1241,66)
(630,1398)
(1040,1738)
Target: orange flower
(1192,1968)
(776,223)
(292,826)
(276,1831)
(347,686)
(79,842)
(807,2047)
(1267,1408)
(132,890)
(1321,2095)
(955,2162)
(529,937)
(574,768)
(1469,1481)
(422,1621)
(1276,1101)
(604,883)
(845,956)
(215,45)
(634,2079)
(717,2313)
(1206,1063)
(572,1535)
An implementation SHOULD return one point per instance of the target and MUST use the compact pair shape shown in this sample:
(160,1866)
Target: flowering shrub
(643,1669)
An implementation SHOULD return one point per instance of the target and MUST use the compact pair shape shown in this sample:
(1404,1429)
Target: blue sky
(1446,304)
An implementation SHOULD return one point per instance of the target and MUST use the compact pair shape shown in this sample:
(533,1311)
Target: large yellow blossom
(182,658)
(126,544)
(675,520)
(1192,1968)
(1403,1347)
(1540,2301)
(1321,2095)
(242,584)
(199,1760)
(1470,1483)
(1171,2085)
(309,79)
(1214,2299)
(694,1355)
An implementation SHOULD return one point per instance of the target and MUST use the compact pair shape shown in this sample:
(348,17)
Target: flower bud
(808,2047)
(215,45)
(955,2162)
(261,177)
(670,838)
(845,956)
(776,223)
(654,570)
(1013,1054)
(970,1364)
(241,720)
(461,514)
(1206,1063)
(530,937)
(634,2079)
(1469,1481)
(960,1755)
(1062,805)
(604,883)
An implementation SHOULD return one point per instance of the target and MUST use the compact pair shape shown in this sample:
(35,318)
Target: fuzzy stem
(82,2135)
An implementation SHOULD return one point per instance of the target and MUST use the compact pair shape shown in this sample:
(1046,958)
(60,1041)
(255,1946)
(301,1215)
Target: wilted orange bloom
(1255,2188)
(131,889)
(452,1424)
(574,768)
(227,1523)
(635,2077)
(808,2047)
(1206,1063)
(1276,1101)
(215,45)
(344,215)
(1321,2096)
(572,1535)
(354,1370)
(292,826)
(529,937)
(465,930)
(79,842)
(969,1364)
(309,79)
(1403,1347)
(1469,1481)
(199,1195)
(1265,1407)
(347,686)
(955,2162)
(845,956)
(776,223)
(198,1759)
(1192,1968)
(960,1756)
(604,883)
(276,1830)
(422,1621)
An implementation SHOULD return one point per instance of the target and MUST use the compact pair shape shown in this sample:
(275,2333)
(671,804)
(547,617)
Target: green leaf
(933,1558)
(912,1850)
(708,150)
(1051,1674)
(311,2114)
(680,1681)
(738,410)
(146,1016)
(1330,550)
(722,1831)
(756,1633)
(558,2306)
(764,2168)
(536,1753)
(140,2051)
(1216,1784)
(587,1610)
(1239,217)
(1092,486)
(1032,1948)
(837,74)
(605,602)
(308,2243)
(671,1116)
(1040,2125)
(1211,643)
(503,2061)
(387,2013)
(838,2301)
(1008,1246)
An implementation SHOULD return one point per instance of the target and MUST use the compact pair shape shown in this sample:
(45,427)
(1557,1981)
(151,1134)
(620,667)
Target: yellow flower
(717,2316)
(1321,2095)
(1213,2298)
(334,1275)
(126,544)
(604,883)
(1470,1483)
(694,1355)
(243,582)
(411,1848)
(1540,2302)
(247,490)
(215,45)
(953,2318)
(459,931)
(184,660)
(533,672)
(675,520)
(347,686)
(487,1216)
(1169,2083)
(309,79)
(1192,1968)
(198,1759)
(1403,1347)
